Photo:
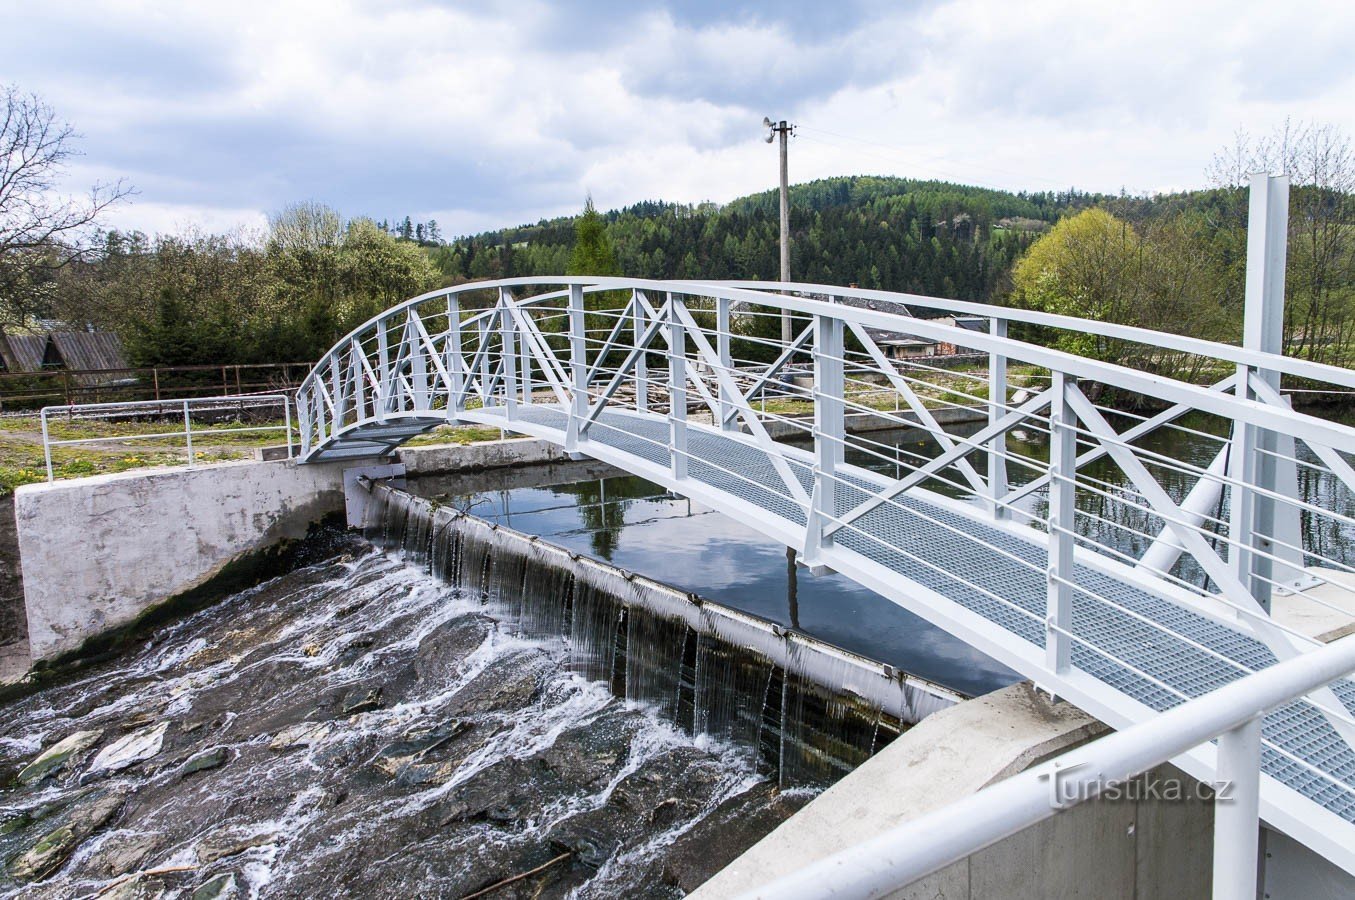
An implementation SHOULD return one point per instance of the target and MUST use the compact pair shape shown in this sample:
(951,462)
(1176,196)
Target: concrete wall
(1130,848)
(98,553)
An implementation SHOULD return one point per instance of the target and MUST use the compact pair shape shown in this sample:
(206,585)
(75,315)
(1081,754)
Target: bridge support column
(1062,507)
(578,369)
(829,437)
(486,399)
(1255,520)
(453,359)
(641,362)
(1237,824)
(677,390)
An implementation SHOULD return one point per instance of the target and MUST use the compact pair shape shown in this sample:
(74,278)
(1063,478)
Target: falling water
(810,713)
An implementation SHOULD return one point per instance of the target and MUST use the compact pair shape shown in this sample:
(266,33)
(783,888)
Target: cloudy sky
(484,113)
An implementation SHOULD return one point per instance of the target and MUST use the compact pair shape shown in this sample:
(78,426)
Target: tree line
(1172,262)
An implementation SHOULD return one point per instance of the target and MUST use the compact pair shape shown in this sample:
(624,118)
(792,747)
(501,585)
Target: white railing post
(304,424)
(829,435)
(340,395)
(455,362)
(287,421)
(188,432)
(578,368)
(527,358)
(1252,516)
(359,379)
(641,365)
(418,363)
(383,372)
(677,390)
(1237,825)
(728,421)
(509,355)
(482,329)
(997,402)
(1062,506)
(47,448)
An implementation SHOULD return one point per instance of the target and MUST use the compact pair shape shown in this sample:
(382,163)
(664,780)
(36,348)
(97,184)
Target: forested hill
(926,237)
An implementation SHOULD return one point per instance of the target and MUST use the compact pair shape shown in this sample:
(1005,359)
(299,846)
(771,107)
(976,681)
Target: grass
(947,390)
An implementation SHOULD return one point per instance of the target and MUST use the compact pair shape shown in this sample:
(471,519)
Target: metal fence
(27,391)
(183,412)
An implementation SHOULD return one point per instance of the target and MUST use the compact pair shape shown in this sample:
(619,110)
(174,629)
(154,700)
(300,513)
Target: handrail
(177,408)
(617,384)
(903,854)
(760,292)
(1288,365)
(1157,386)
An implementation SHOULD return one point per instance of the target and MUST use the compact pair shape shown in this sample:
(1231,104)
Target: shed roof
(23,352)
(89,349)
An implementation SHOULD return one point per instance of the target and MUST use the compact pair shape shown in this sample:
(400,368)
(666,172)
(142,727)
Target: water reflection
(638,525)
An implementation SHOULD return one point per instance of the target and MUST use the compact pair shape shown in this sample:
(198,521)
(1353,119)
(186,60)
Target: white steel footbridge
(1083,552)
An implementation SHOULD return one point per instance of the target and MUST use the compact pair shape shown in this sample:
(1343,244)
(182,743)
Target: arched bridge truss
(1066,539)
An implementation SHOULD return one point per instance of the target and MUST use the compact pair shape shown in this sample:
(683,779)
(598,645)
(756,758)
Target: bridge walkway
(995,574)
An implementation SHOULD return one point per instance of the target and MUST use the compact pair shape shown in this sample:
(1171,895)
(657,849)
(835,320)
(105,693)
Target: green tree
(592,253)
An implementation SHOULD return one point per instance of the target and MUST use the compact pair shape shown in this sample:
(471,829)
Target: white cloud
(495,114)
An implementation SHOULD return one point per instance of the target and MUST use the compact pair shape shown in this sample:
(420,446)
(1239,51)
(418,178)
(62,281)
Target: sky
(482,114)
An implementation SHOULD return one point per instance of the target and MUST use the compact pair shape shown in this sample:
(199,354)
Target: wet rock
(207,759)
(587,847)
(11,824)
(130,750)
(142,887)
(231,841)
(721,836)
(512,681)
(55,757)
(589,756)
(54,847)
(396,758)
(121,853)
(220,887)
(302,734)
(358,702)
(45,856)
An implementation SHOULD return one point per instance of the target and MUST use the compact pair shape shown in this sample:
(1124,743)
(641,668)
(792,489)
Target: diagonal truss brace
(957,451)
(1283,645)
(924,415)
(775,453)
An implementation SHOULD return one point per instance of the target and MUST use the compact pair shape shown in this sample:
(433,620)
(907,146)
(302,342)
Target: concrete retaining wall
(99,553)
(1132,849)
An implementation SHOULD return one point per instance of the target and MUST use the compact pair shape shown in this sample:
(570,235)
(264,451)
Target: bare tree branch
(41,230)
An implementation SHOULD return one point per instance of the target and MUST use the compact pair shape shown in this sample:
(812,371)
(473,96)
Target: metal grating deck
(1001,578)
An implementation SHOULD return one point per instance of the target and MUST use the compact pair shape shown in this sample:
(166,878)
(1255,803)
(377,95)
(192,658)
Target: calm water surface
(637,525)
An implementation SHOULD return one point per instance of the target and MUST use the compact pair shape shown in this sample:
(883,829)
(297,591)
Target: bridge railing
(1222,520)
(1217,498)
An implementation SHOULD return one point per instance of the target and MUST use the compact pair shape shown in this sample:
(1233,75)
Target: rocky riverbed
(356,728)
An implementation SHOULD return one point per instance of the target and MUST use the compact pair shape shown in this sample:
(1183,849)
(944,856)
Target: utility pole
(785,130)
